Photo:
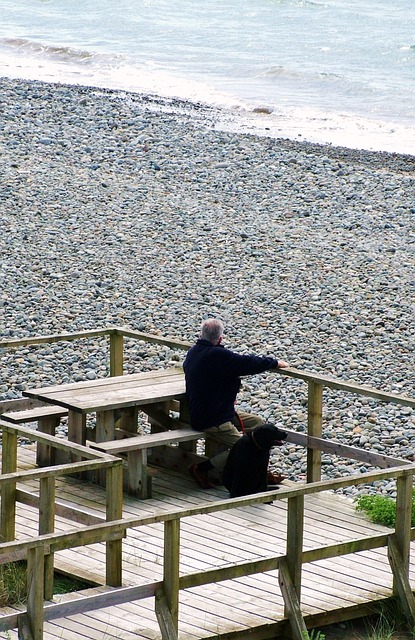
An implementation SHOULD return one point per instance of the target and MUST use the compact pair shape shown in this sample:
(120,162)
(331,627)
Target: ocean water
(332,71)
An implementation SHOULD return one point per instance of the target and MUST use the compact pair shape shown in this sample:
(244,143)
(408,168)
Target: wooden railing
(40,550)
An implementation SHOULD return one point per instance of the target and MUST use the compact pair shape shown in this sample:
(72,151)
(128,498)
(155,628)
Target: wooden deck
(332,590)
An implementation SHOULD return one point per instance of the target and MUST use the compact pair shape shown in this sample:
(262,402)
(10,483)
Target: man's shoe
(200,477)
(274,479)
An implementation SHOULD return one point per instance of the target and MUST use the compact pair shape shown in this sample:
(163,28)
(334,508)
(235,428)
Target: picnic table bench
(137,447)
(47,418)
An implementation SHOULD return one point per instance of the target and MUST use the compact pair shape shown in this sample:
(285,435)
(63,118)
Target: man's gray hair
(212,330)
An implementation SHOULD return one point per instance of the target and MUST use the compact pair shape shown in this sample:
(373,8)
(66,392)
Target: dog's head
(268,435)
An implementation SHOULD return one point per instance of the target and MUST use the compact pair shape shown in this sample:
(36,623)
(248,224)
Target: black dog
(246,468)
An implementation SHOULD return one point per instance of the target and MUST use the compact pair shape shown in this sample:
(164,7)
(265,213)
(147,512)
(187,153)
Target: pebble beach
(129,210)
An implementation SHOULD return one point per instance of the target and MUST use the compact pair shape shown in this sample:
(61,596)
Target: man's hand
(282,364)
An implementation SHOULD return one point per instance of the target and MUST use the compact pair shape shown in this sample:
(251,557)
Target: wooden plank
(18,404)
(154,339)
(147,441)
(62,469)
(345,451)
(138,379)
(401,582)
(292,605)
(62,509)
(32,415)
(67,337)
(351,387)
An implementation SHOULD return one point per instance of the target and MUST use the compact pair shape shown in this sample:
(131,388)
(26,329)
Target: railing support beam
(8,490)
(116,354)
(114,497)
(314,428)
(47,525)
(167,601)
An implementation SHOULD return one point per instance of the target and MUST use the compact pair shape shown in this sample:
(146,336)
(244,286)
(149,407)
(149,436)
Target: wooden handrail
(40,550)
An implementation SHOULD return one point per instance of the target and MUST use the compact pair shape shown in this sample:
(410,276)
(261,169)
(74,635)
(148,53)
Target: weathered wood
(160,417)
(344,548)
(114,392)
(48,419)
(404,489)
(148,441)
(114,504)
(33,414)
(292,605)
(63,510)
(47,525)
(402,586)
(228,573)
(8,490)
(101,600)
(23,629)
(18,404)
(171,568)
(76,432)
(351,387)
(35,581)
(314,427)
(344,451)
(153,339)
(116,354)
(138,480)
(295,529)
(249,516)
(166,623)
(55,442)
(62,469)
(67,337)
(127,421)
(45,455)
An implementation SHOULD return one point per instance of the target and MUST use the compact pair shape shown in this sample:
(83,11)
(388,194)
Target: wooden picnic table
(116,400)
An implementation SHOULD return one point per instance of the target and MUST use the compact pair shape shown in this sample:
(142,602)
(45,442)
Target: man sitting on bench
(212,375)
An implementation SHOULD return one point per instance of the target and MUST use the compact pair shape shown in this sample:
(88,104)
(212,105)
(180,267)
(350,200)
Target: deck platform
(249,607)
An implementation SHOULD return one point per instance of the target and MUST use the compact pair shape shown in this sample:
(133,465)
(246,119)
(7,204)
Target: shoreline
(226,119)
(120,210)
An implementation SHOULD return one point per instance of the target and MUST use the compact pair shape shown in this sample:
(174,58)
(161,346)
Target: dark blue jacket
(212,375)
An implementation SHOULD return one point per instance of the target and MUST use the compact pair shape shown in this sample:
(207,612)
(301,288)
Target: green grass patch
(382,509)
(13,583)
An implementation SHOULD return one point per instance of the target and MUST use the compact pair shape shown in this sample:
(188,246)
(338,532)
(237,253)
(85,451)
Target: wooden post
(8,491)
(295,529)
(45,453)
(171,569)
(114,498)
(35,580)
(105,430)
(47,525)
(314,428)
(292,605)
(116,354)
(403,518)
(76,431)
